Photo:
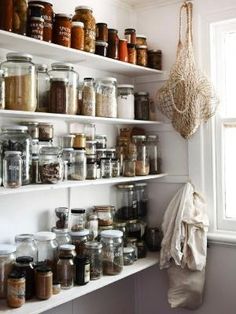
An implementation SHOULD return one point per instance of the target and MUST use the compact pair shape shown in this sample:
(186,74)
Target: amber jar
(16,289)
(101,48)
(62,30)
(141,40)
(123,50)
(113,44)
(6,16)
(79,141)
(43,279)
(155,59)
(142,56)
(132,54)
(35,28)
(20,16)
(84,14)
(101,32)
(77,35)
(130,35)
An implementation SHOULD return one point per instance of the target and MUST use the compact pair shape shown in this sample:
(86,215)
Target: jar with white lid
(79,238)
(7,259)
(112,252)
(42,86)
(20,82)
(26,246)
(125,101)
(106,97)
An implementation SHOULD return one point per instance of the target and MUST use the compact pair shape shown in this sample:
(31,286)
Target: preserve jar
(26,246)
(62,236)
(142,106)
(66,97)
(50,165)
(15,289)
(142,57)
(93,250)
(154,154)
(130,35)
(105,215)
(101,229)
(79,141)
(84,14)
(132,54)
(91,167)
(12,169)
(16,138)
(141,40)
(112,252)
(102,32)
(65,271)
(106,97)
(128,255)
(35,28)
(142,162)
(142,198)
(92,225)
(43,282)
(106,168)
(88,98)
(101,48)
(126,202)
(125,101)
(153,239)
(82,270)
(20,82)
(62,216)
(78,219)
(77,35)
(20,16)
(6,15)
(2,90)
(42,87)
(62,30)
(155,59)
(24,264)
(113,44)
(7,259)
(123,50)
(66,249)
(79,238)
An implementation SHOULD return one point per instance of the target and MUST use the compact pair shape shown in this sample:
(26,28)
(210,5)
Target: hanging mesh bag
(187,98)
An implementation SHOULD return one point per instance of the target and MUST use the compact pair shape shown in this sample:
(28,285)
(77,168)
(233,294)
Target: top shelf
(43,49)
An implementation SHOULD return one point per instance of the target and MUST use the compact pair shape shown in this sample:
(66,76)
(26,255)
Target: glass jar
(112,252)
(82,270)
(106,97)
(6,16)
(65,271)
(105,215)
(128,255)
(84,14)
(69,163)
(79,170)
(134,229)
(141,40)
(78,219)
(2,90)
(125,101)
(155,59)
(142,250)
(142,162)
(79,238)
(122,227)
(123,50)
(20,82)
(88,98)
(92,225)
(142,106)
(101,48)
(77,35)
(12,169)
(132,242)
(42,86)
(35,28)
(67,141)
(101,229)
(24,264)
(113,44)
(106,168)
(64,88)
(16,138)
(50,165)
(62,216)
(142,198)
(129,167)
(102,32)
(62,30)
(90,131)
(126,202)
(15,289)
(7,259)
(101,141)
(62,236)
(153,239)
(130,35)
(115,164)
(93,250)
(25,246)
(132,54)
(20,16)
(66,250)
(154,154)
(91,167)
(46,131)
(142,56)
(43,282)
(79,141)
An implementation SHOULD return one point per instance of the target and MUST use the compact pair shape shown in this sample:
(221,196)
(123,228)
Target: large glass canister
(26,246)
(43,86)
(125,102)
(126,202)
(64,88)
(16,138)
(7,259)
(142,104)
(112,252)
(154,154)
(20,82)
(12,170)
(88,98)
(142,198)
(93,250)
(106,97)
(142,162)
(84,14)
(50,165)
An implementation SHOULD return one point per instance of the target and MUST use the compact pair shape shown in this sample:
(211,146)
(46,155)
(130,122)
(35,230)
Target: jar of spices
(113,44)
(6,16)
(78,219)
(62,30)
(43,87)
(141,40)
(2,90)
(7,259)
(128,255)
(91,167)
(155,59)
(79,238)
(50,165)
(101,48)
(65,271)
(93,250)
(112,252)
(16,289)
(130,35)
(106,168)
(142,199)
(24,265)
(12,169)
(142,106)
(126,202)
(153,239)
(84,14)
(106,97)
(132,54)
(62,236)
(44,279)
(125,101)
(46,131)
(88,98)
(102,32)
(77,35)
(142,162)
(20,16)
(79,141)
(92,225)
(154,154)
(66,250)
(123,50)
(101,142)
(105,215)
(142,57)
(132,242)
(25,246)
(62,216)
(82,270)
(35,28)
(20,82)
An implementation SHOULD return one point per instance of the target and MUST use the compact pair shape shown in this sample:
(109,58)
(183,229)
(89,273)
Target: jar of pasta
(106,97)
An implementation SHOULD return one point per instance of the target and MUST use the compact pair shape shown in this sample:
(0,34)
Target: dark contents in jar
(58,96)
(50,173)
(111,268)
(6,16)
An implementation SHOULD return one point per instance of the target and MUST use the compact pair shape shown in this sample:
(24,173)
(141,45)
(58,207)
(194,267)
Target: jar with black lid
(82,270)
(155,59)
(101,48)
(142,103)
(102,32)
(44,280)
(78,219)
(130,35)
(91,167)
(24,264)
(113,44)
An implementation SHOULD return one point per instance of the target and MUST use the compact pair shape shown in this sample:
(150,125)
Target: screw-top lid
(62,66)
(112,30)
(141,47)
(12,152)
(15,56)
(107,79)
(130,30)
(125,86)
(16,275)
(128,250)
(24,259)
(77,210)
(45,236)
(88,79)
(83,7)
(139,137)
(60,231)
(77,24)
(68,16)
(111,234)
(120,224)
(141,94)
(81,233)
(41,67)
(24,237)
(43,269)
(67,247)
(21,128)
(141,36)
(7,249)
(93,245)
(101,24)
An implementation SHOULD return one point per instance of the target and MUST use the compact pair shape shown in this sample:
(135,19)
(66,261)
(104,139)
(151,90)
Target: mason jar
(12,169)
(142,162)
(106,97)
(142,198)
(154,154)
(43,87)
(7,259)
(125,102)
(126,202)
(93,250)
(26,246)
(20,82)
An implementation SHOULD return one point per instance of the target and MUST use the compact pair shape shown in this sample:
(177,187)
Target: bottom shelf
(36,307)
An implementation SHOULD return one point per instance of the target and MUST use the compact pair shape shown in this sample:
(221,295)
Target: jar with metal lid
(141,40)
(142,162)
(142,56)
(62,236)
(43,87)
(7,259)
(65,271)
(153,238)
(132,54)
(106,97)
(102,32)
(79,238)
(64,88)
(123,50)
(101,141)
(106,168)
(105,215)
(24,264)
(66,249)
(142,106)
(26,246)
(62,30)
(155,59)
(112,252)
(82,270)
(126,202)
(46,131)
(50,165)
(15,289)
(129,255)
(88,97)
(132,242)
(20,82)
(142,198)
(130,35)
(113,44)
(154,154)
(77,35)
(16,138)
(101,48)
(125,101)
(19,13)
(84,14)
(93,250)
(12,169)
(6,16)
(78,219)
(91,167)
(92,225)
(2,90)
(43,282)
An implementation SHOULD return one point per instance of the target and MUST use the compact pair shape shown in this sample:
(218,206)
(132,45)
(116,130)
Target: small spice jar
(88,97)
(113,44)
(35,28)
(106,168)
(77,35)
(62,215)
(65,271)
(2,90)
(93,250)
(16,289)
(134,229)
(6,16)
(130,35)
(141,40)
(132,54)
(105,215)
(91,167)
(25,246)
(43,278)
(67,141)
(115,164)
(79,238)
(78,219)
(101,141)
(82,270)
(46,131)
(102,32)
(142,104)
(155,59)
(24,265)
(12,169)
(101,48)
(123,50)
(56,288)
(128,255)
(62,30)
(142,56)
(7,259)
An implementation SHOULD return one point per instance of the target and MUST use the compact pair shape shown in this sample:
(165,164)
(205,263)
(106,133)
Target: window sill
(222,238)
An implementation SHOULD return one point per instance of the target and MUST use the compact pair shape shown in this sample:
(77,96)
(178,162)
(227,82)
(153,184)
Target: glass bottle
(12,169)
(142,162)
(43,86)
(26,246)
(93,250)
(88,98)
(7,259)
(113,44)
(154,154)
(82,270)
(65,271)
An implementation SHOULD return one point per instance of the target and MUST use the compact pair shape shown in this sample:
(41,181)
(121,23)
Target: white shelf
(43,49)
(74,184)
(36,307)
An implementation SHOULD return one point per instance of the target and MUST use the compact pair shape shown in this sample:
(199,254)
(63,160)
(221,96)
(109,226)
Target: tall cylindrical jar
(7,259)
(113,44)
(65,271)
(142,104)
(20,82)
(106,97)
(6,15)
(125,102)
(93,250)
(84,14)
(154,154)
(142,162)
(88,98)
(20,16)
(42,86)
(12,169)
(2,90)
